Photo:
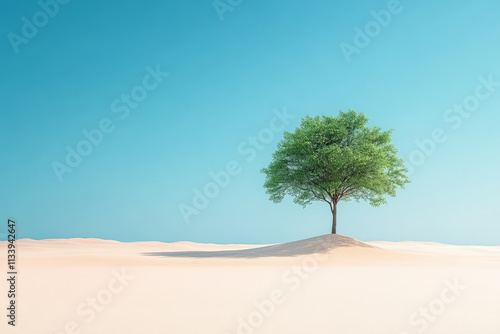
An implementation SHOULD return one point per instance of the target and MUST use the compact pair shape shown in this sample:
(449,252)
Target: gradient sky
(227,79)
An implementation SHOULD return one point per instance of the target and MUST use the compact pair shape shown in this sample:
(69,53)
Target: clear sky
(425,69)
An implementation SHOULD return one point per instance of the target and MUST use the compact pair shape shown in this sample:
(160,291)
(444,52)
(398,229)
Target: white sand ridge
(329,284)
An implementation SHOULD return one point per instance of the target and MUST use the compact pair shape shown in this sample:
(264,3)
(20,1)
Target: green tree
(335,158)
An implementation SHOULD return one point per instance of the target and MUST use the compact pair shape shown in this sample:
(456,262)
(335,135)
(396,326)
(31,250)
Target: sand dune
(321,244)
(325,284)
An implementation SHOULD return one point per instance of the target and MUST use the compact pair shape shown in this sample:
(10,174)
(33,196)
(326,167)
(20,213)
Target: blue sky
(227,81)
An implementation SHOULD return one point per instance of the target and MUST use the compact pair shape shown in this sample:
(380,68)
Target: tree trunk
(334,213)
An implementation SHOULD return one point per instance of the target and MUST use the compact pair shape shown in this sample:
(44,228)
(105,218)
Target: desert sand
(327,284)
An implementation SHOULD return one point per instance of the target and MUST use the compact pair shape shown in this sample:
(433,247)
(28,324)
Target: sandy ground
(327,284)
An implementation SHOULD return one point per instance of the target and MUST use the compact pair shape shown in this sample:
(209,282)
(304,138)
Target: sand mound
(320,244)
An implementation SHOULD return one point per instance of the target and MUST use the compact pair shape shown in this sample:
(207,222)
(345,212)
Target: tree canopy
(335,158)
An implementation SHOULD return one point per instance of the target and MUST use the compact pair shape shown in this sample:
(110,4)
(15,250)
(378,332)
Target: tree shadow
(321,244)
